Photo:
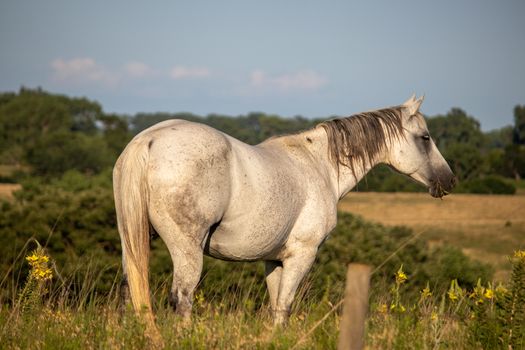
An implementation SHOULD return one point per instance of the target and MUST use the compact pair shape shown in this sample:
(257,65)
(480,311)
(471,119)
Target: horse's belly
(247,242)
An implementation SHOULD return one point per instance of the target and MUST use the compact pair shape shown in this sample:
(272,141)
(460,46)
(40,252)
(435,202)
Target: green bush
(384,179)
(449,263)
(357,240)
(74,217)
(503,323)
(487,185)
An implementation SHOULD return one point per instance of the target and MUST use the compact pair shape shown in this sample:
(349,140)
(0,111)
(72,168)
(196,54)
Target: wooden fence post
(352,327)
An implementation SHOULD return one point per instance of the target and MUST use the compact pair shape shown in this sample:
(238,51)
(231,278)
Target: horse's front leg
(273,271)
(295,267)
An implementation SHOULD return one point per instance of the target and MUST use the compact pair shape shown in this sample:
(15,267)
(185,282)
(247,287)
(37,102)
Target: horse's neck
(341,177)
(312,148)
(348,180)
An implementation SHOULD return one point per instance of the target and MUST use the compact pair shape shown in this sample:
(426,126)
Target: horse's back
(185,143)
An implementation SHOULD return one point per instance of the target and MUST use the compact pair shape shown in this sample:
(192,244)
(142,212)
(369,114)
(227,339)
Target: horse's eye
(426,137)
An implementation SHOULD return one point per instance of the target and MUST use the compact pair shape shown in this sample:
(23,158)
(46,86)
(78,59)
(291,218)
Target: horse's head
(416,155)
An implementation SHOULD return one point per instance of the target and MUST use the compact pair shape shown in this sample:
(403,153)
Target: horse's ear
(413,104)
(410,100)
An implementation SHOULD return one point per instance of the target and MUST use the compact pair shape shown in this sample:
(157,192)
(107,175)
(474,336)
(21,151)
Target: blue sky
(310,58)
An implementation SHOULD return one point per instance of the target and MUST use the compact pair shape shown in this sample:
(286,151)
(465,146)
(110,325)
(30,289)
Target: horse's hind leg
(185,243)
(125,296)
(187,268)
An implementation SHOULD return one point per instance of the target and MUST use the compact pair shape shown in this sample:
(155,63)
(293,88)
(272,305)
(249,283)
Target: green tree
(54,133)
(84,114)
(115,131)
(513,161)
(24,119)
(55,153)
(519,125)
(465,160)
(499,138)
(455,127)
(460,140)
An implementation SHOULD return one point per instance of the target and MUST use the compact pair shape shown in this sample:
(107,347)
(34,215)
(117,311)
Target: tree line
(44,134)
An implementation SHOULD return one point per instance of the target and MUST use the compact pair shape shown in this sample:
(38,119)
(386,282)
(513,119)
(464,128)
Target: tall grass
(65,312)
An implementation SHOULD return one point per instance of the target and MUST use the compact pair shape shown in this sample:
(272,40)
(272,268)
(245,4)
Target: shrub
(479,316)
(74,217)
(487,185)
(384,179)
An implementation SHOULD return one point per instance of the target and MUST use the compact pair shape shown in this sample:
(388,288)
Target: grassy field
(45,315)
(486,227)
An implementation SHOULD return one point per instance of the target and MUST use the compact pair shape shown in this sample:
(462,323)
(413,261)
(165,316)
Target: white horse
(205,192)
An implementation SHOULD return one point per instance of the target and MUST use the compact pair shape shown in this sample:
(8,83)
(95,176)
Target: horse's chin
(437,192)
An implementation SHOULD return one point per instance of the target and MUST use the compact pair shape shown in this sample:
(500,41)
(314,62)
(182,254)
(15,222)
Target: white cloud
(85,70)
(301,80)
(182,72)
(82,70)
(137,69)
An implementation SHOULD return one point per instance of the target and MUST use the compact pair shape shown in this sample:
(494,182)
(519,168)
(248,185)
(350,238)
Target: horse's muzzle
(442,186)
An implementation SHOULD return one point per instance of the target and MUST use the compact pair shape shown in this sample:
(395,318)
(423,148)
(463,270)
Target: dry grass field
(486,227)
(6,190)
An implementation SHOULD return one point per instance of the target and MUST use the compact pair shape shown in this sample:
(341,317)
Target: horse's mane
(355,141)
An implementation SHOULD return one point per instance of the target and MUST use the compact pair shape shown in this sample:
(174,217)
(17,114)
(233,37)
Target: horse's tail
(131,200)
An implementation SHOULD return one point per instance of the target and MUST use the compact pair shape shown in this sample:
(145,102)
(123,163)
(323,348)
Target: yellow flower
(42,274)
(520,254)
(39,265)
(199,298)
(434,316)
(401,277)
(489,294)
(32,259)
(426,293)
(455,292)
(382,308)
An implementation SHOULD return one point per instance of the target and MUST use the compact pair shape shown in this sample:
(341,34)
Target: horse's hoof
(280,318)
